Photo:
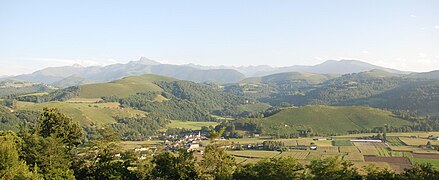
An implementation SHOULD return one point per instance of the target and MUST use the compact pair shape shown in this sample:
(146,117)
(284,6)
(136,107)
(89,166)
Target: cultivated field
(397,153)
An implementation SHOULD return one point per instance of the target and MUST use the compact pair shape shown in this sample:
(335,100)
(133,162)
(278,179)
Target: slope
(325,120)
(87,114)
(420,97)
(123,87)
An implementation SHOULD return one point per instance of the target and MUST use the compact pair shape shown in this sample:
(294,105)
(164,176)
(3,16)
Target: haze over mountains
(327,67)
(76,75)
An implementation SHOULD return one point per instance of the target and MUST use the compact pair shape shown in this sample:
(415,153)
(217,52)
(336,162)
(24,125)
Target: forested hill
(420,97)
(160,96)
(416,93)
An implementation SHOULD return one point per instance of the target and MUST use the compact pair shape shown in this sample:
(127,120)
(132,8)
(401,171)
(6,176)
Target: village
(397,151)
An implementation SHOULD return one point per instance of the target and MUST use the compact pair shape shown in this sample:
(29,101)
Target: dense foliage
(373,88)
(184,100)
(57,95)
(138,128)
(15,120)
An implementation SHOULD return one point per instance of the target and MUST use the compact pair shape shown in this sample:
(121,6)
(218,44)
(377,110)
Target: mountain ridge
(63,76)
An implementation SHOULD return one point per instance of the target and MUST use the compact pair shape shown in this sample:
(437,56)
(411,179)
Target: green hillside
(17,88)
(86,114)
(123,87)
(325,120)
(420,97)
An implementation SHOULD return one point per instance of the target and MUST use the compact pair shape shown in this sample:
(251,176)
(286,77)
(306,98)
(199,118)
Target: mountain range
(76,75)
(327,67)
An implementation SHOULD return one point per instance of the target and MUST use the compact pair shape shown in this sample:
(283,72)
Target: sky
(398,34)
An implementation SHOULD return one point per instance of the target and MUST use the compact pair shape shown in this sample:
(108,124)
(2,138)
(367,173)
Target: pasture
(190,124)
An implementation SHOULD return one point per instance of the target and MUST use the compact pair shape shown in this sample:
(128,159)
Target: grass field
(254,154)
(85,114)
(417,141)
(21,104)
(368,150)
(258,107)
(84,100)
(135,144)
(250,140)
(296,154)
(354,157)
(304,142)
(382,151)
(123,87)
(434,162)
(341,143)
(328,119)
(190,124)
(327,149)
(348,149)
(395,141)
(323,143)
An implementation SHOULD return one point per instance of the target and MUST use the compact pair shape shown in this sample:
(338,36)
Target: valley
(373,118)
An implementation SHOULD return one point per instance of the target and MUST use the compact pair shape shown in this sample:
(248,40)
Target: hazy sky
(397,34)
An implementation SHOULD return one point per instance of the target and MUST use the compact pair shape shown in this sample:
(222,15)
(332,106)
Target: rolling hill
(325,120)
(88,113)
(123,87)
(425,75)
(420,97)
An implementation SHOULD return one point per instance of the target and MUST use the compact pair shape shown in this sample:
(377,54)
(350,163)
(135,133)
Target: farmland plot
(341,143)
(304,142)
(349,149)
(395,141)
(354,157)
(301,155)
(368,150)
(327,149)
(417,141)
(320,155)
(254,154)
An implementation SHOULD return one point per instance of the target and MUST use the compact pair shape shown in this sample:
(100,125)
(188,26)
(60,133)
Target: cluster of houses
(191,142)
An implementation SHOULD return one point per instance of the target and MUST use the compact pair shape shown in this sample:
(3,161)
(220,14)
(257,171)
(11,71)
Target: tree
(332,168)
(274,168)
(421,172)
(103,158)
(48,156)
(53,159)
(216,134)
(171,166)
(11,167)
(375,173)
(56,124)
(217,163)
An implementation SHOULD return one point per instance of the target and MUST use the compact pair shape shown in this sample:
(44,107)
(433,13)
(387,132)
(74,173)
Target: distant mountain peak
(77,66)
(146,61)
